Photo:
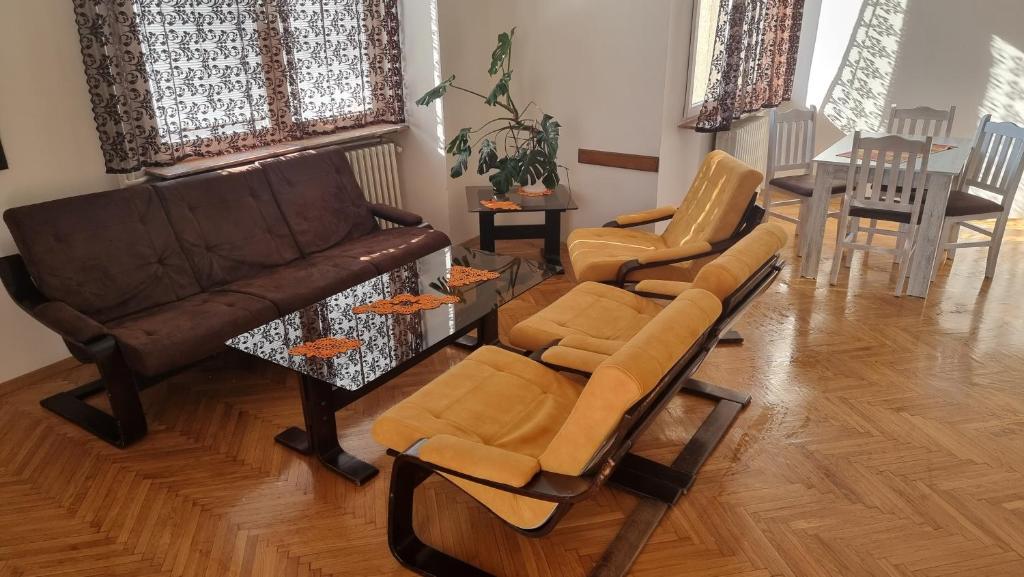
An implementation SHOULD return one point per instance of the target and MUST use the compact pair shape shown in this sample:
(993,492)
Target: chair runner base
(658,486)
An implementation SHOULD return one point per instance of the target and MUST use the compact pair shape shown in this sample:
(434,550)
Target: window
(176,80)
(702,47)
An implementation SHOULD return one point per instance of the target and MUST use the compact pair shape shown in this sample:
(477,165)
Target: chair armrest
(545,485)
(675,254)
(661,288)
(396,215)
(643,217)
(479,460)
(68,322)
(579,361)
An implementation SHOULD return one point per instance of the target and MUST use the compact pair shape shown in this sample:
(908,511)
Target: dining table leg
(933,214)
(813,231)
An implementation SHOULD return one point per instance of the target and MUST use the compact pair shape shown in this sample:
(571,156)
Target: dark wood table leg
(487,231)
(486,333)
(553,239)
(321,435)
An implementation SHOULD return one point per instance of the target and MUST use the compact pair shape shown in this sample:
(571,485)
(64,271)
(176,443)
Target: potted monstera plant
(516,148)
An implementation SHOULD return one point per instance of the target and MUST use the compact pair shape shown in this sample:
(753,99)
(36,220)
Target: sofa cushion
(387,249)
(319,197)
(228,224)
(299,284)
(176,334)
(107,254)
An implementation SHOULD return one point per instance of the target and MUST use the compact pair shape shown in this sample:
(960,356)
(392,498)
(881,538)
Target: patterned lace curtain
(754,59)
(176,79)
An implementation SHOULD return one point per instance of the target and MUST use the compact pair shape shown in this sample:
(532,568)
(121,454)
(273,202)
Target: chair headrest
(724,275)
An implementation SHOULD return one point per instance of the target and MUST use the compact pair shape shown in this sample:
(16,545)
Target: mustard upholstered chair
(718,210)
(528,441)
(596,318)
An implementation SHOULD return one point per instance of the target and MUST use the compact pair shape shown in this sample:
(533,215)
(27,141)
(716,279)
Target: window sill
(198,165)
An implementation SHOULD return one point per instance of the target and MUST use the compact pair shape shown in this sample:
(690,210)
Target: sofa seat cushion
(299,284)
(495,398)
(319,197)
(228,224)
(388,249)
(592,309)
(176,334)
(107,254)
(597,254)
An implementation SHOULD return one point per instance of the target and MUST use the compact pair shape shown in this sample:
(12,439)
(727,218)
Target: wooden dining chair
(917,121)
(889,189)
(995,167)
(790,152)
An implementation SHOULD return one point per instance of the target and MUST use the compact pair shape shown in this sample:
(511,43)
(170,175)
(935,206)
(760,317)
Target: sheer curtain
(176,79)
(754,59)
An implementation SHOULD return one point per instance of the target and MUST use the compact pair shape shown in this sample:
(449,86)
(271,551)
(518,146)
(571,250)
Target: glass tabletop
(392,339)
(560,199)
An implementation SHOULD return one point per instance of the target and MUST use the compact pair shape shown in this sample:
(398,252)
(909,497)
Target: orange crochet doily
(522,192)
(325,348)
(405,304)
(464,275)
(501,205)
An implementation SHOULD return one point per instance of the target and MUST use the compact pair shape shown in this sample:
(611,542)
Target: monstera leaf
(436,92)
(548,135)
(488,153)
(500,89)
(502,51)
(459,148)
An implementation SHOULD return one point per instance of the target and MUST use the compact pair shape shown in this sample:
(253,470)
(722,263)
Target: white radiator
(747,140)
(376,169)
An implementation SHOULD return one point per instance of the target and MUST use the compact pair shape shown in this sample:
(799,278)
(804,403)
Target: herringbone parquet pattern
(886,438)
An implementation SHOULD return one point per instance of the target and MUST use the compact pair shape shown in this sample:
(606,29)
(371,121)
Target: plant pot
(535,188)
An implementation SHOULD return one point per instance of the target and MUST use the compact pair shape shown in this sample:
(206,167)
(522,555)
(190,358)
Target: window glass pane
(206,72)
(327,58)
(703,50)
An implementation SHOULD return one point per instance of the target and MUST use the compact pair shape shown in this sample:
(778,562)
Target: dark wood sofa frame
(658,485)
(126,423)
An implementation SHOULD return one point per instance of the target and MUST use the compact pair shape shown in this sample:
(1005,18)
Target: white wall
(940,53)
(51,144)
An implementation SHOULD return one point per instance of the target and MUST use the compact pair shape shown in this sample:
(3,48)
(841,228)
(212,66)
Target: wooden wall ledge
(618,160)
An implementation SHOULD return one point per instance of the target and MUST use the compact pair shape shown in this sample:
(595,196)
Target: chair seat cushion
(306,281)
(179,333)
(597,254)
(965,204)
(493,397)
(592,309)
(386,250)
(803,184)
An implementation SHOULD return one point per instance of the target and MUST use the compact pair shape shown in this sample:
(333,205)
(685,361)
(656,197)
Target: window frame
(690,110)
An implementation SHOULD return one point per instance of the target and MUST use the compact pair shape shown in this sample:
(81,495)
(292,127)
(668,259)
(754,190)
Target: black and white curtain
(754,59)
(176,79)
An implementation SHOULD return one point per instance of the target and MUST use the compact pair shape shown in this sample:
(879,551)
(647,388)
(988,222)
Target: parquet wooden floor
(886,437)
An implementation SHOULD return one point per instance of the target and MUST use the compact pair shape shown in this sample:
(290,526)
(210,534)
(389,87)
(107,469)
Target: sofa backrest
(716,202)
(319,197)
(626,377)
(228,224)
(107,254)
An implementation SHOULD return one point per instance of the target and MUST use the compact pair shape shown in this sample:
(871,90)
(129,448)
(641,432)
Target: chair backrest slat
(921,121)
(888,173)
(997,159)
(790,141)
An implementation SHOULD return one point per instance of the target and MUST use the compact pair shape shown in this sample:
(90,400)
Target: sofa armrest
(396,215)
(643,217)
(68,322)
(479,460)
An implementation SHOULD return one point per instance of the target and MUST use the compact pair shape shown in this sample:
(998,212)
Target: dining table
(944,169)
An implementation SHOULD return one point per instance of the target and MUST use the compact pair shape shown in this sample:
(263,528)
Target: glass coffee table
(391,343)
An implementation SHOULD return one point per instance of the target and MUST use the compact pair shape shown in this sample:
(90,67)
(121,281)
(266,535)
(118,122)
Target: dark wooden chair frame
(615,464)
(126,422)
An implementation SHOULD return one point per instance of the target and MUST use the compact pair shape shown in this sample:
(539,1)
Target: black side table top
(561,200)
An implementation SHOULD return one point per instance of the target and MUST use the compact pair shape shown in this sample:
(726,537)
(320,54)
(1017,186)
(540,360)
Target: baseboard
(39,374)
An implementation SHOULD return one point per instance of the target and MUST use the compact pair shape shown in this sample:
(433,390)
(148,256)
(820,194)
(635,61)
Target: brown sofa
(147,280)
